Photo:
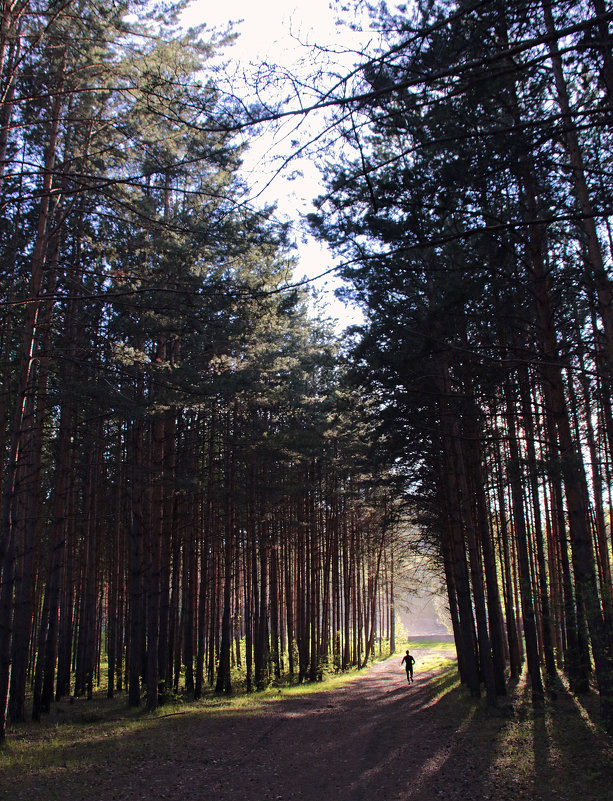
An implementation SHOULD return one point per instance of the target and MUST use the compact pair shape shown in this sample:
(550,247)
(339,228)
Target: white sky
(275,31)
(266,25)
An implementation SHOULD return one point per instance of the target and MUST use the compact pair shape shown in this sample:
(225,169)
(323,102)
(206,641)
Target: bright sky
(266,27)
(275,31)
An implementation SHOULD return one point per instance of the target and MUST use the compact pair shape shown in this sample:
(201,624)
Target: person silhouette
(408,661)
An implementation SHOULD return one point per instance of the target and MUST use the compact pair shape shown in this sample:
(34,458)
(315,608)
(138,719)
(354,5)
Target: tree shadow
(366,740)
(374,739)
(573,754)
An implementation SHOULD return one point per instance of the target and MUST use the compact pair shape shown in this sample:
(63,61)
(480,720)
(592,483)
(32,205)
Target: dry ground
(375,738)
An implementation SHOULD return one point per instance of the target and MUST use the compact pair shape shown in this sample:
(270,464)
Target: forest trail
(371,739)
(375,738)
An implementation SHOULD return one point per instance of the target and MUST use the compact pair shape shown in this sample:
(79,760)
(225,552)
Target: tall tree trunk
(595,260)
(521,539)
(137,624)
(224,675)
(538,528)
(157,532)
(24,395)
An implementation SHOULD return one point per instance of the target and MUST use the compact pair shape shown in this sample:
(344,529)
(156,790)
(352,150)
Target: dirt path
(376,738)
(367,740)
(371,739)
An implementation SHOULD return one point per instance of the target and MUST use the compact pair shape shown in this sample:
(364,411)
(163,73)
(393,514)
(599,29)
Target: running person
(408,661)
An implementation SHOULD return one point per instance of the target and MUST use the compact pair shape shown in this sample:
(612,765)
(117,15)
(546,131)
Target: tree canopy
(200,484)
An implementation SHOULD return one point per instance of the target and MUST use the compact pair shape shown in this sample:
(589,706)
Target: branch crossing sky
(277,32)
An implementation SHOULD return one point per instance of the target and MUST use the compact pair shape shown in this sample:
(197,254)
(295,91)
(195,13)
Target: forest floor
(374,737)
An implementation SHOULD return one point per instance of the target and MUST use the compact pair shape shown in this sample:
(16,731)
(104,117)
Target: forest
(203,487)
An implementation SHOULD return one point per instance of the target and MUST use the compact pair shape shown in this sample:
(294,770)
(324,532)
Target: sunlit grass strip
(445,681)
(425,643)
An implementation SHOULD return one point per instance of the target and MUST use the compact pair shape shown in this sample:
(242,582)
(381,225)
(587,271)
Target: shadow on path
(376,738)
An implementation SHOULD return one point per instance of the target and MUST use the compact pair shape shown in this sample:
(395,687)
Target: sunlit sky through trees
(281,33)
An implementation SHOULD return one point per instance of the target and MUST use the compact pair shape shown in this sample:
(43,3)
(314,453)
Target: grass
(441,643)
(66,736)
(558,752)
(443,660)
(103,736)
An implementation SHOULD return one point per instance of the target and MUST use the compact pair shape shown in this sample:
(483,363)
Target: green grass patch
(560,750)
(441,643)
(431,653)
(445,680)
(508,752)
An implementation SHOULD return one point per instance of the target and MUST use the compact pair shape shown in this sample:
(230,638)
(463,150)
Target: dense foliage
(472,205)
(179,493)
(193,482)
